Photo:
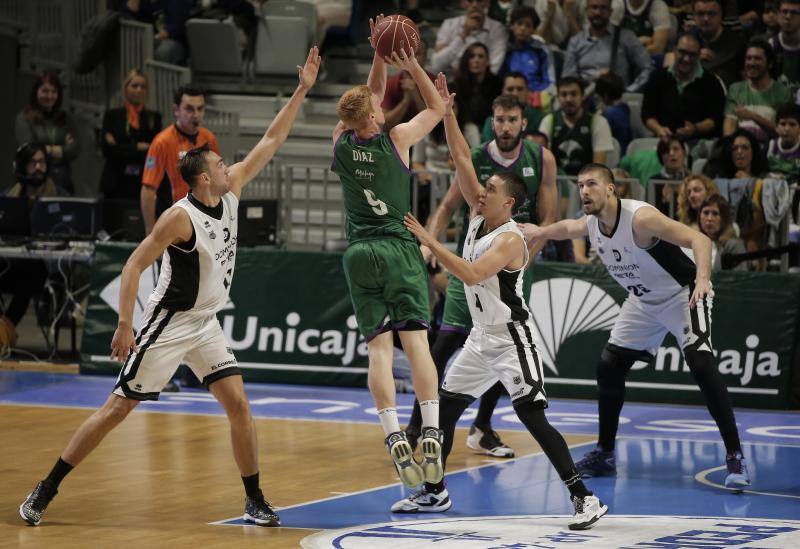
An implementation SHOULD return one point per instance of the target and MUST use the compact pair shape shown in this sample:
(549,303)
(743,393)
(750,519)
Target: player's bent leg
(85,439)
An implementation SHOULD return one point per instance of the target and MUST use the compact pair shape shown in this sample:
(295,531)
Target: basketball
(396,33)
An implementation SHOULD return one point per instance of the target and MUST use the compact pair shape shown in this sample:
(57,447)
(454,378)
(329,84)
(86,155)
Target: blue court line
(339,404)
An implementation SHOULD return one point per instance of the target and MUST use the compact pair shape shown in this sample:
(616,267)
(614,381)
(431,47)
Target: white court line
(701,478)
(375,489)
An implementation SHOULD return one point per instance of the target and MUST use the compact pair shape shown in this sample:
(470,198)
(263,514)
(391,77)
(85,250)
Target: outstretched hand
(530,232)
(447,97)
(416,228)
(373,24)
(401,61)
(308,72)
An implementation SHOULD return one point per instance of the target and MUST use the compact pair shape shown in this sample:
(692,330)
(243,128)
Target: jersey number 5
(378,206)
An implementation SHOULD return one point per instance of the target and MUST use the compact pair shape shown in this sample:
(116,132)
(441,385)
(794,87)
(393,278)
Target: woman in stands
(691,194)
(673,157)
(44,121)
(476,87)
(716,224)
(125,138)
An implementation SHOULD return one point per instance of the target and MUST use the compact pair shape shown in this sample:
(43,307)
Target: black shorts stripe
(703,335)
(523,360)
(138,341)
(535,355)
(124,379)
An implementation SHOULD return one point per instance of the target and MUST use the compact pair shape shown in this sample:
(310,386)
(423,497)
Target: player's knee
(238,408)
(701,361)
(611,372)
(117,409)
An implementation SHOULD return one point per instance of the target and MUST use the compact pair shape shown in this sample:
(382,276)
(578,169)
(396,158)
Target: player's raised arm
(173,227)
(504,249)
(440,219)
(405,135)
(546,197)
(243,172)
(650,224)
(562,230)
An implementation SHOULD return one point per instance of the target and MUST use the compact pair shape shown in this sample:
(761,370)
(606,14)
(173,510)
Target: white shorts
(168,338)
(642,326)
(506,352)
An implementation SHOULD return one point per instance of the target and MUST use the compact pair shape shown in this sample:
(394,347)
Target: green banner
(289,319)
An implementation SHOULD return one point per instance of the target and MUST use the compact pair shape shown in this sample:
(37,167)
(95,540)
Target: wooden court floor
(160,478)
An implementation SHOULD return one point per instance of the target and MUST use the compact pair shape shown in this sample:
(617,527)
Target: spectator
(742,156)
(457,33)
(609,88)
(44,121)
(171,46)
(716,223)
(722,48)
(515,84)
(691,195)
(683,99)
(552,26)
(331,13)
(476,87)
(770,23)
(169,146)
(787,43)
(402,100)
(139,10)
(577,137)
(672,154)
(24,278)
(783,153)
(430,158)
(751,104)
(650,21)
(126,136)
(529,55)
(589,53)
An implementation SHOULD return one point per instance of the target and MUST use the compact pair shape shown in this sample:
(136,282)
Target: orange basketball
(396,33)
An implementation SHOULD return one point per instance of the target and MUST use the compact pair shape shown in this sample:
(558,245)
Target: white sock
(430,413)
(388,417)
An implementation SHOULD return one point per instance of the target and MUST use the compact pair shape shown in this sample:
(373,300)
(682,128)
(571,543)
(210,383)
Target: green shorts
(388,285)
(456,317)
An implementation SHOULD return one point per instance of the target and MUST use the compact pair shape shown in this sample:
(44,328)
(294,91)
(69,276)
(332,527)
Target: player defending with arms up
(501,344)
(197,239)
(385,272)
(668,292)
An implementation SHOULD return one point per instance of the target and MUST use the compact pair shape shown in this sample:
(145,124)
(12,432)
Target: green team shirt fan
(385,271)
(528,166)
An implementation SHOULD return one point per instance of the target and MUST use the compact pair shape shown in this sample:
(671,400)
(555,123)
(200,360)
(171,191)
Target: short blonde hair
(133,73)
(355,106)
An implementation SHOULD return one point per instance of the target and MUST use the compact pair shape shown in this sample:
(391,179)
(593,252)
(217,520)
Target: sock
(57,474)
(434,488)
(388,417)
(251,487)
(575,485)
(430,413)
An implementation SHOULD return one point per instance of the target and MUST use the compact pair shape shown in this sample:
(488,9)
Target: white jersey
(498,299)
(196,275)
(652,274)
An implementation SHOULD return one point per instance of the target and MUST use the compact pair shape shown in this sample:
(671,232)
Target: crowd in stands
(715,82)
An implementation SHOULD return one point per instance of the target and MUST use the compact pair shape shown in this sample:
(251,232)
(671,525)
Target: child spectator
(783,152)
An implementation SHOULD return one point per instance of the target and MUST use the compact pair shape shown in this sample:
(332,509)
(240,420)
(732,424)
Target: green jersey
(528,166)
(376,187)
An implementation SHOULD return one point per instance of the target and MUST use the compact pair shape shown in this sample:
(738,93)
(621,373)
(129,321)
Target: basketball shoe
(34,505)
(431,450)
(597,463)
(424,501)
(738,477)
(259,512)
(411,474)
(488,442)
(588,510)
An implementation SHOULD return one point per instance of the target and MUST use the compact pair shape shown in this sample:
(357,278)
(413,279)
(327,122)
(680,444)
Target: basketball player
(500,346)
(508,151)
(197,239)
(385,272)
(668,292)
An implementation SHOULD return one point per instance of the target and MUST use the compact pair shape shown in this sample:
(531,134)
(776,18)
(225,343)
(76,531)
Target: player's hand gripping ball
(396,33)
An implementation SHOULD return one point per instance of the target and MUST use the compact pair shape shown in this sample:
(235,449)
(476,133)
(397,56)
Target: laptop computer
(66,218)
(122,220)
(15,220)
(258,222)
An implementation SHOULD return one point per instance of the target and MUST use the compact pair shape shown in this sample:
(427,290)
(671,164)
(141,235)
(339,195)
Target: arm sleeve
(498,41)
(640,59)
(71,150)
(545,126)
(442,60)
(659,16)
(651,96)
(212,142)
(570,60)
(154,166)
(601,134)
(120,152)
(22,129)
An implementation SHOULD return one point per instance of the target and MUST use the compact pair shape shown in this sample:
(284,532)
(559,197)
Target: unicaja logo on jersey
(564,307)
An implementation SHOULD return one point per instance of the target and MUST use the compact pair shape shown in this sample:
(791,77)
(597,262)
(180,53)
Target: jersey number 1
(378,206)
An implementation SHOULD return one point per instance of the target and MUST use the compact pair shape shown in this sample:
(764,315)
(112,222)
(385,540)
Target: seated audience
(577,137)
(552,26)
(609,88)
(683,99)
(589,53)
(691,194)
(402,101)
(530,56)
(457,33)
(751,103)
(649,20)
(44,121)
(722,48)
(171,45)
(125,137)
(475,87)
(330,13)
(787,42)
(514,84)
(769,26)
(673,157)
(742,157)
(717,224)
(783,153)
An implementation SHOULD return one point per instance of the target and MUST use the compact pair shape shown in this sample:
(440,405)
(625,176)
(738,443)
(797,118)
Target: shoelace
(734,465)
(579,505)
(40,500)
